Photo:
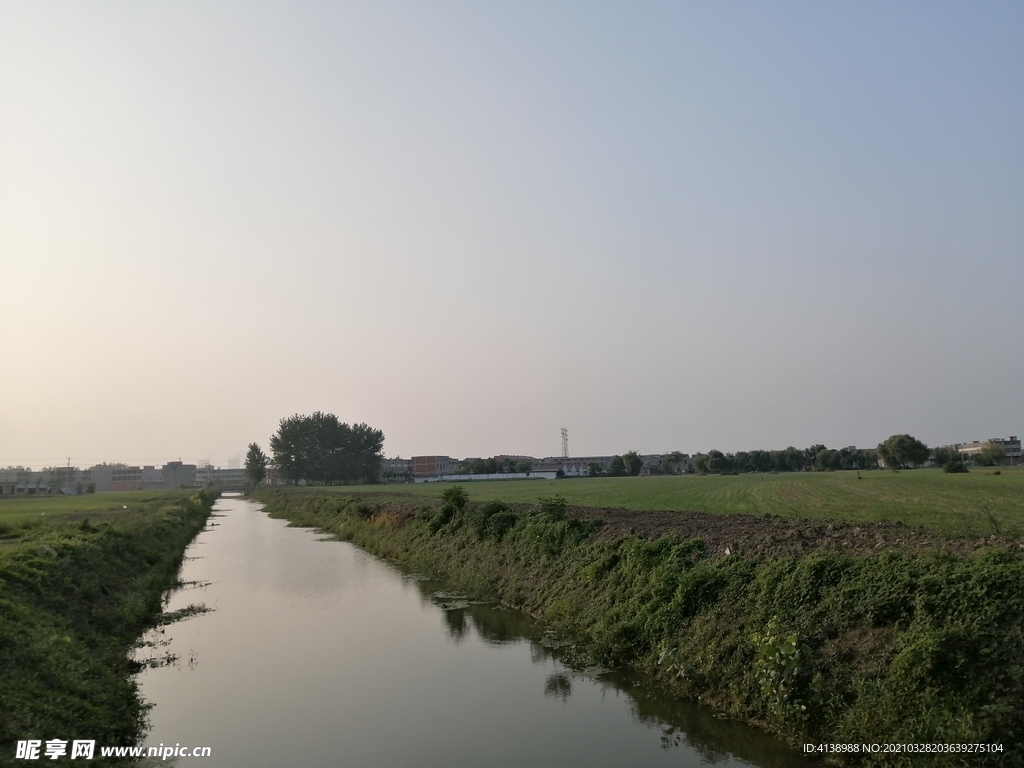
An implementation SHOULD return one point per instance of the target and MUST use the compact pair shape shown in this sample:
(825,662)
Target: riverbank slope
(892,646)
(77,588)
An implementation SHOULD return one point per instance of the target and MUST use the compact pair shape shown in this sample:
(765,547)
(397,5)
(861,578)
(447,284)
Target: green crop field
(95,505)
(977,503)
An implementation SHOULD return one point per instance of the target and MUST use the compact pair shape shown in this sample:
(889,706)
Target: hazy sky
(662,225)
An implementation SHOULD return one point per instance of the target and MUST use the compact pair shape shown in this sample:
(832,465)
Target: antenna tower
(565,443)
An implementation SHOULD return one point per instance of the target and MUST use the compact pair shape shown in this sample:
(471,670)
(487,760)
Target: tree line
(319,449)
(816,457)
(896,452)
(496,465)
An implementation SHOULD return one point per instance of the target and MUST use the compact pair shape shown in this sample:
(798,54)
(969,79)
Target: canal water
(318,654)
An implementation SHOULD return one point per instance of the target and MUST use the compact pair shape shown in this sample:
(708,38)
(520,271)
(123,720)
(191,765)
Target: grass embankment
(959,505)
(80,579)
(825,647)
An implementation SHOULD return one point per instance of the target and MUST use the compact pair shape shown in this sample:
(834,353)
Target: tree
(322,450)
(867,458)
(946,455)
(716,461)
(524,467)
(792,459)
(634,463)
(741,461)
(617,468)
(826,459)
(903,451)
(256,464)
(991,455)
(595,469)
(811,454)
(672,462)
(699,462)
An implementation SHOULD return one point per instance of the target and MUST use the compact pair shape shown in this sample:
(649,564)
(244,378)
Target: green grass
(80,579)
(93,505)
(958,505)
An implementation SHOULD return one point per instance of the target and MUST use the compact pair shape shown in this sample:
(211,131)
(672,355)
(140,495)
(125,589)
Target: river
(319,654)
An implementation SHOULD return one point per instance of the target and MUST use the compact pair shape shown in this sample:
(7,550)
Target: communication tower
(565,443)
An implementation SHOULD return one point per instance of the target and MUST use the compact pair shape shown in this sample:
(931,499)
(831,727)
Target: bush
(480,520)
(455,498)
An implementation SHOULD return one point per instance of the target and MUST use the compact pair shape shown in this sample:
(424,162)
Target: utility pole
(565,443)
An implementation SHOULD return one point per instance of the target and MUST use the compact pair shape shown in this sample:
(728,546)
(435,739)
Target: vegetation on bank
(975,504)
(825,647)
(80,579)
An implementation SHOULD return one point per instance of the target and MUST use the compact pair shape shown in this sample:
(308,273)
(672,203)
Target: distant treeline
(816,457)
(493,466)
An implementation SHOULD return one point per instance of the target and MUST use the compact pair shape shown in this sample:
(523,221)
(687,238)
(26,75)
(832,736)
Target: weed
(883,648)
(74,596)
(783,672)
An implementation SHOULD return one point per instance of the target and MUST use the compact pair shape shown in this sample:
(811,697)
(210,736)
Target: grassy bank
(884,648)
(971,504)
(80,579)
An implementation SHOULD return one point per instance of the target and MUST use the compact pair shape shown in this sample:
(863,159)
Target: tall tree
(633,461)
(699,463)
(670,463)
(256,464)
(947,454)
(991,455)
(322,450)
(903,451)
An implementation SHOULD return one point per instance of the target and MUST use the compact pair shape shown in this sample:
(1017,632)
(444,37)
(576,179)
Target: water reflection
(558,686)
(456,623)
(681,723)
(318,654)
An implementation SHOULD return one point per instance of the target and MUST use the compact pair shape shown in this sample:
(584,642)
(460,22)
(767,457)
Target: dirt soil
(774,536)
(764,536)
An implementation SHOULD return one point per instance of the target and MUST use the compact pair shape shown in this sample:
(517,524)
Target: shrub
(455,498)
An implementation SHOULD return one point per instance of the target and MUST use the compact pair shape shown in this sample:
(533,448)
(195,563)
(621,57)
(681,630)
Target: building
(579,466)
(208,476)
(396,468)
(665,464)
(1010,445)
(22,482)
(117,477)
(433,466)
(178,475)
(463,478)
(576,466)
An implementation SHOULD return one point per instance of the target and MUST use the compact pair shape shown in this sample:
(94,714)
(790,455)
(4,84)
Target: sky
(663,226)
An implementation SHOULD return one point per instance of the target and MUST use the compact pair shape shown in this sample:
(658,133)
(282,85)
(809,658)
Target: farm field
(94,505)
(977,503)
